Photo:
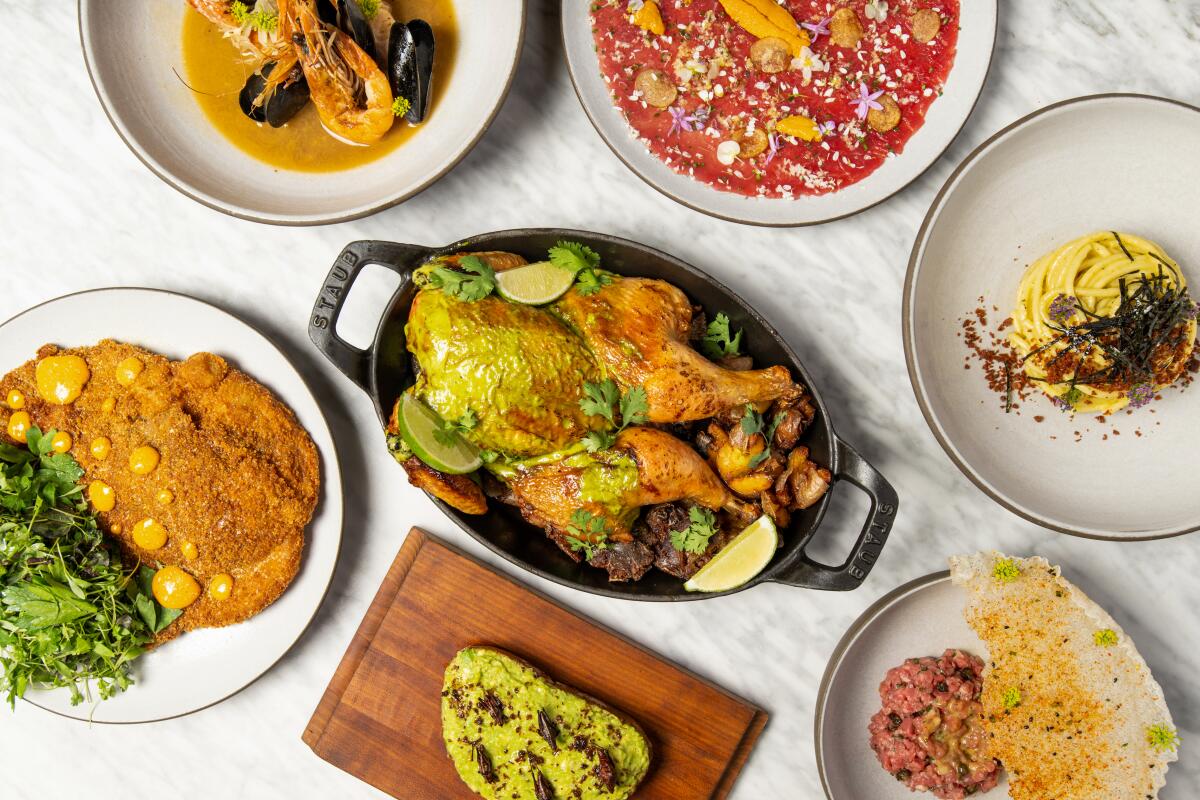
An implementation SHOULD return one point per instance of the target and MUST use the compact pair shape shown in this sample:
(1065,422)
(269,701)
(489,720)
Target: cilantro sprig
(604,399)
(587,533)
(584,262)
(695,537)
(752,422)
(719,340)
(70,614)
(474,280)
(450,431)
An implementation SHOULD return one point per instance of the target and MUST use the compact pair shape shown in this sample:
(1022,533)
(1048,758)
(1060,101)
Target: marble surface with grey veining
(78,211)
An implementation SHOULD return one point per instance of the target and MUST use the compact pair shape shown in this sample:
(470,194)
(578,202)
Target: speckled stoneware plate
(132,49)
(946,117)
(921,618)
(201,667)
(1107,162)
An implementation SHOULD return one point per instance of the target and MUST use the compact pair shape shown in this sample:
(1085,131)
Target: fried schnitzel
(207,454)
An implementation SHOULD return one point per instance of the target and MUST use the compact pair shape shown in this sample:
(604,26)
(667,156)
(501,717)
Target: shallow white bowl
(1108,162)
(200,667)
(946,117)
(131,47)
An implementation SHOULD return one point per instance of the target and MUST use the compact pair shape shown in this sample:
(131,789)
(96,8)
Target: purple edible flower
(773,147)
(681,120)
(827,127)
(1062,308)
(1140,395)
(866,101)
(818,30)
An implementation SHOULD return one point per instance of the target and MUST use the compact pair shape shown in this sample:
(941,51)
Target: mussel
(274,104)
(352,20)
(410,66)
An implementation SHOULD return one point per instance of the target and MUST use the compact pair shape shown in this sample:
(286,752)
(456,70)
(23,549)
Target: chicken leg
(637,328)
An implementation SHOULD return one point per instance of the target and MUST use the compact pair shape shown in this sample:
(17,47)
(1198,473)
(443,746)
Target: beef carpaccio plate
(770,100)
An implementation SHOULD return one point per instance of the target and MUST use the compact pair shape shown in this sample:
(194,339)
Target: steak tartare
(929,733)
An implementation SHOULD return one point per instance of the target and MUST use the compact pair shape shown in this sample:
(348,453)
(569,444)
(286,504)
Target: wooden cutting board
(380,717)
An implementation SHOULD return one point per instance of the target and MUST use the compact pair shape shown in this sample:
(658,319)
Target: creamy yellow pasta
(1103,322)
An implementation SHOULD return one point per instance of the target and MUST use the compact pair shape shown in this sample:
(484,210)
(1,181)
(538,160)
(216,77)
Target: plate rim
(333,470)
(587,110)
(869,615)
(907,319)
(295,220)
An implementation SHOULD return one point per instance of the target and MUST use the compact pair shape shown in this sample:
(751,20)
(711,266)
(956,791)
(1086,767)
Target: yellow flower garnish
(1011,697)
(1162,737)
(1006,570)
(400,106)
(1105,638)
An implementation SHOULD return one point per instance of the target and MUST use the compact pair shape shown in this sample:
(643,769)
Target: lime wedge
(534,284)
(738,561)
(424,432)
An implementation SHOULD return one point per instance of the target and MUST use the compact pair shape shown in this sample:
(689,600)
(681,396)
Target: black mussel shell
(352,20)
(410,65)
(284,102)
(327,11)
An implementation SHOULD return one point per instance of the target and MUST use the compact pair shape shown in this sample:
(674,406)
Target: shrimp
(350,91)
(256,42)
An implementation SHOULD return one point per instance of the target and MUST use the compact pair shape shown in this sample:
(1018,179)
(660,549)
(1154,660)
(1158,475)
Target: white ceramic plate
(922,618)
(945,119)
(1109,162)
(132,46)
(201,667)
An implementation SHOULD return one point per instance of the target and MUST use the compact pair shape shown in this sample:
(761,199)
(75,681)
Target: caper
(903,775)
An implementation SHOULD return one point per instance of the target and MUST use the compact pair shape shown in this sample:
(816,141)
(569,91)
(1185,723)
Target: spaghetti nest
(1104,322)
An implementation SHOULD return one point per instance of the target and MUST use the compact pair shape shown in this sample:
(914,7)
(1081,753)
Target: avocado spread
(517,368)
(514,734)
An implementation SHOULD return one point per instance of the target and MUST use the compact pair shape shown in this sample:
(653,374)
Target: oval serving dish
(382,371)
(133,53)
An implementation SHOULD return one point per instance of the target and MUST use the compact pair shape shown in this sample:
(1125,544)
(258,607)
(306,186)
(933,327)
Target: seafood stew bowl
(383,372)
(133,52)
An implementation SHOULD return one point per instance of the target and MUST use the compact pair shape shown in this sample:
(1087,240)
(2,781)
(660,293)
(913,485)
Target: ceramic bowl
(945,119)
(133,50)
(1107,162)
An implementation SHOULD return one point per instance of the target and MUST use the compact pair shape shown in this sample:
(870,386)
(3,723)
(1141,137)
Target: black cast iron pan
(383,372)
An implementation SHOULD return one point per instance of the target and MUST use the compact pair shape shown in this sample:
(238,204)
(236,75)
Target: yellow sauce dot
(16,399)
(108,405)
(128,370)
(102,496)
(149,534)
(60,379)
(100,447)
(164,497)
(18,424)
(116,527)
(220,587)
(61,442)
(174,588)
(189,551)
(143,460)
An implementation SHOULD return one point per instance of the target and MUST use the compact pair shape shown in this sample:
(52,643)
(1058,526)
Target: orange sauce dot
(60,379)
(164,497)
(189,551)
(100,447)
(108,405)
(149,534)
(221,586)
(143,460)
(18,424)
(116,527)
(16,399)
(61,442)
(174,588)
(128,370)
(102,496)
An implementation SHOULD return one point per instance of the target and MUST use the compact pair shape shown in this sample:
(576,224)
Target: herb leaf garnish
(719,341)
(752,422)
(476,280)
(587,533)
(603,399)
(694,538)
(584,262)
(450,431)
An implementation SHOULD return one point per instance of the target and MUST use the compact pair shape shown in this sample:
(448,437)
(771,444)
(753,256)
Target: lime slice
(534,284)
(738,561)
(424,432)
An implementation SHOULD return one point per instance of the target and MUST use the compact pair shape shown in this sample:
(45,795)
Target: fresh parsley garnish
(476,280)
(1072,397)
(719,341)
(603,399)
(70,614)
(584,262)
(587,533)
(694,538)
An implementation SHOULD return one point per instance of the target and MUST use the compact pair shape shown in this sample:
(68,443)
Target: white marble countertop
(79,211)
